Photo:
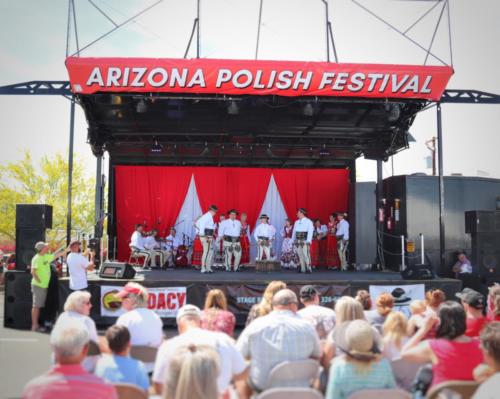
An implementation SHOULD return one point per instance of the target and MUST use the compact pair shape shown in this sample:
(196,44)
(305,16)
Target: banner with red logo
(249,77)
(164,301)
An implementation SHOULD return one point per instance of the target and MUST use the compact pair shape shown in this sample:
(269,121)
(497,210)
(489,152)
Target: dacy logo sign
(164,301)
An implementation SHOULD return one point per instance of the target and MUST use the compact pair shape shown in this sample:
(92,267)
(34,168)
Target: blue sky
(33,45)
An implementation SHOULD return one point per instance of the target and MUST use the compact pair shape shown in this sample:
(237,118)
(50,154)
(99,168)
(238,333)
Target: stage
(170,289)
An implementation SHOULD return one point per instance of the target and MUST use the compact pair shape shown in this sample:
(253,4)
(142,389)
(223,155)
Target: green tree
(23,182)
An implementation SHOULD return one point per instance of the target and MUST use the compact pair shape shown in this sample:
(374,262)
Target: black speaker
(485,253)
(482,222)
(116,270)
(95,245)
(418,272)
(33,216)
(25,245)
(17,304)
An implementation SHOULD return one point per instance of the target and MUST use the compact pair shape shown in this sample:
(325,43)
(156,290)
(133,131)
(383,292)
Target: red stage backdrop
(154,195)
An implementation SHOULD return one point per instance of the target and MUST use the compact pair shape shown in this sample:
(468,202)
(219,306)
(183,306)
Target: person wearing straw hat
(361,365)
(302,234)
(40,270)
(78,264)
(264,235)
(229,232)
(206,227)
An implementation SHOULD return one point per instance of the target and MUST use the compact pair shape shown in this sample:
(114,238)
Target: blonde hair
(193,373)
(76,300)
(394,328)
(215,299)
(417,306)
(265,305)
(385,303)
(494,298)
(348,309)
(139,300)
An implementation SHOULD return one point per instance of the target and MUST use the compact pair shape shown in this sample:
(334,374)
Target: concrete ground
(23,356)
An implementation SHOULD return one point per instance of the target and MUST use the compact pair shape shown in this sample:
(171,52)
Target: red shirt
(456,360)
(68,381)
(474,326)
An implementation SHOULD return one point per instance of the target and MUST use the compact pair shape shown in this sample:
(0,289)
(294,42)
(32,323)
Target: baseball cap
(130,288)
(74,242)
(188,310)
(308,292)
(40,245)
(471,298)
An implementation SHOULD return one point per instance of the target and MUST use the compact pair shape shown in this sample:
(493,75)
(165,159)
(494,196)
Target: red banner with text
(248,77)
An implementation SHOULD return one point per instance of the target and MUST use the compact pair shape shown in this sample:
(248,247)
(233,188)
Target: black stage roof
(258,131)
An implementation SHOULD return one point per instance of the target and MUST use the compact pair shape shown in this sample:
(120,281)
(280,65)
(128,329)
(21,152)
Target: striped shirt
(68,381)
(345,378)
(280,336)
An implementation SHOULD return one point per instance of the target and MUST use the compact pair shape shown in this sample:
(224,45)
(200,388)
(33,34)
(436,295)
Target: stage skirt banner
(403,295)
(242,298)
(256,77)
(164,301)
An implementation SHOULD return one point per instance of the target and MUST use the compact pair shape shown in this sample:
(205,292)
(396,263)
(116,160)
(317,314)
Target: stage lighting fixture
(233,108)
(308,110)
(156,147)
(205,151)
(269,151)
(324,152)
(141,106)
(116,100)
(394,112)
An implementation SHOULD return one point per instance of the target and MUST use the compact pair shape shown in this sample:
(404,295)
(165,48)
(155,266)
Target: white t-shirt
(144,325)
(322,318)
(77,267)
(231,361)
(488,389)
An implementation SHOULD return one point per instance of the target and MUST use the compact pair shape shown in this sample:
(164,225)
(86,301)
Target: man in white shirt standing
(137,246)
(302,236)
(229,232)
(264,235)
(206,227)
(342,239)
(78,264)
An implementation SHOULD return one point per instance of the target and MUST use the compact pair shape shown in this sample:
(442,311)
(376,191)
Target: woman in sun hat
(361,365)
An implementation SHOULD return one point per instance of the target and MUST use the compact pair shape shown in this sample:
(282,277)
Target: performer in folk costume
(137,246)
(229,234)
(152,244)
(332,254)
(302,238)
(318,234)
(218,259)
(264,235)
(289,258)
(197,247)
(171,244)
(245,240)
(342,239)
(206,227)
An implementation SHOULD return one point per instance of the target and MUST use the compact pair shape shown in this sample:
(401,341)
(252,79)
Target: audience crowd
(361,344)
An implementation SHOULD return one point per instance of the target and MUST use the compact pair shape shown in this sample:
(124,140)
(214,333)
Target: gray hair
(284,297)
(69,338)
(76,300)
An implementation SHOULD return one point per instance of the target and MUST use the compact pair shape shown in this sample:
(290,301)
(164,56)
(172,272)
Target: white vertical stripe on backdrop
(190,210)
(274,208)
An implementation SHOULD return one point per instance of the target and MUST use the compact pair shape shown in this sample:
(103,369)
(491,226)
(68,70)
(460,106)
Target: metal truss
(469,97)
(38,87)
